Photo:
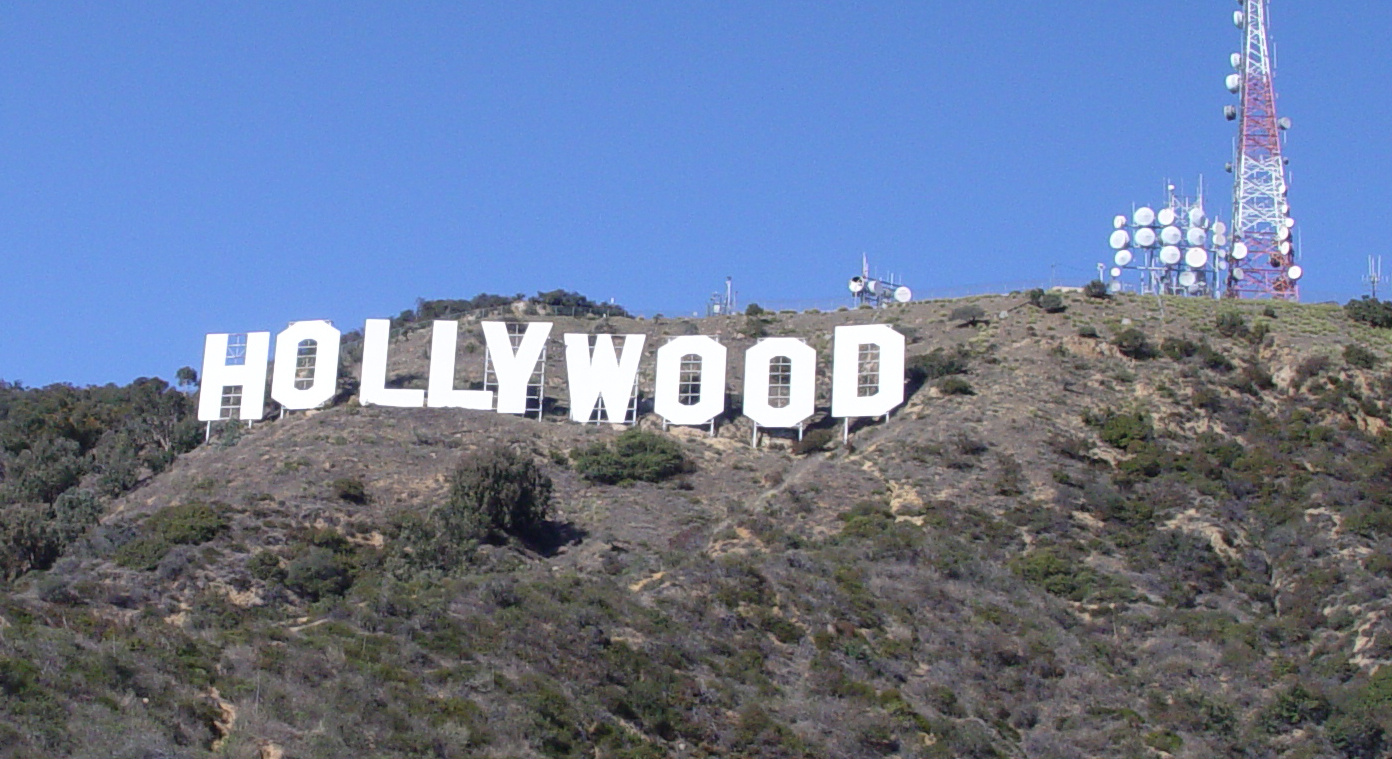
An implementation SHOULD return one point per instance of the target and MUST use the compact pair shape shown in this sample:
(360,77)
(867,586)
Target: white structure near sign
(690,378)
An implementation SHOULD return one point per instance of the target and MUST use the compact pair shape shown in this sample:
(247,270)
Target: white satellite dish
(1283,233)
(1145,237)
(873,285)
(1239,250)
(1285,207)
(1196,257)
(1144,216)
(1295,272)
(902,294)
(1236,60)
(1239,19)
(1120,239)
(1171,235)
(1188,278)
(1114,287)
(1197,237)
(1170,255)
(856,285)
(1219,228)
(1285,247)
(1223,265)
(1122,258)
(1238,274)
(1116,272)
(1220,239)
(1234,82)
(1290,222)
(1119,222)
(1166,217)
(1198,218)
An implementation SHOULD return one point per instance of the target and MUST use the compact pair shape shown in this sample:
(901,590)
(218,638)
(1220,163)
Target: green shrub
(1088,331)
(1164,740)
(1295,706)
(1096,289)
(144,553)
(968,315)
(754,309)
(1052,303)
(955,386)
(1121,429)
(319,573)
(350,489)
(634,456)
(1133,344)
(1370,311)
(1360,357)
(816,440)
(265,566)
(1231,324)
(937,363)
(188,524)
(1178,348)
(1056,573)
(495,492)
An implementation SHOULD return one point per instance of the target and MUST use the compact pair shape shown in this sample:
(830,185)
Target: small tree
(1052,303)
(969,315)
(1133,344)
(1096,289)
(494,492)
(186,377)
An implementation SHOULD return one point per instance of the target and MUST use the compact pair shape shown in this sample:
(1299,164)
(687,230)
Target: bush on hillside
(1360,357)
(969,315)
(1370,311)
(1230,324)
(937,364)
(494,492)
(634,456)
(1133,343)
(955,386)
(1096,289)
(1120,429)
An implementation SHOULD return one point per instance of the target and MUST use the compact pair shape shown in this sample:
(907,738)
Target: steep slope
(1063,552)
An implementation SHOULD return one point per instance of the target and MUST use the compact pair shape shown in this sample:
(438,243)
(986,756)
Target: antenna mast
(1263,261)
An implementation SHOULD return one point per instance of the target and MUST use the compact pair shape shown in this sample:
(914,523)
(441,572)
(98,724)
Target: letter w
(601,374)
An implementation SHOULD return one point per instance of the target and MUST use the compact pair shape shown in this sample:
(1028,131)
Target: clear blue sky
(170,169)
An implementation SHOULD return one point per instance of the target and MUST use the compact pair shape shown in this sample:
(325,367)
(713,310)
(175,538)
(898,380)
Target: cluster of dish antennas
(1177,249)
(878,291)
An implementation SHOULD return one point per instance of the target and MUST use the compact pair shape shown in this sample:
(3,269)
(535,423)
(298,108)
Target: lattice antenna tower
(876,291)
(1175,250)
(1263,258)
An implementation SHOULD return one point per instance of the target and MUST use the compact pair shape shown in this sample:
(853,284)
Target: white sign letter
(514,370)
(799,372)
(601,375)
(444,338)
(373,391)
(250,376)
(321,372)
(885,361)
(667,394)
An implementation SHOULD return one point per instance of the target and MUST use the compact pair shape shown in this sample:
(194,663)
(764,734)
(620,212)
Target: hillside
(1133,527)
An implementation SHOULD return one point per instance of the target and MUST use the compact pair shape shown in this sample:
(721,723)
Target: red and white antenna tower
(1262,261)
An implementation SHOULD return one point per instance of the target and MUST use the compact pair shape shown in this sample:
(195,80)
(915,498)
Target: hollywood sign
(867,376)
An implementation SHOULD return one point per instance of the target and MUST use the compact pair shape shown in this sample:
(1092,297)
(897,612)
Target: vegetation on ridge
(1184,553)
